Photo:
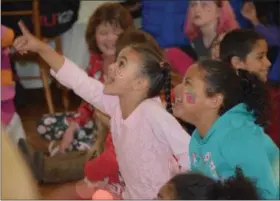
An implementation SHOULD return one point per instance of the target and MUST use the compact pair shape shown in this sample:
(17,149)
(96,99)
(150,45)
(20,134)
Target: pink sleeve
(89,89)
(179,60)
(167,127)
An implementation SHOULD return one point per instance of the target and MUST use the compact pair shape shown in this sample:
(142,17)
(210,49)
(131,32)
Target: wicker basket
(69,166)
(61,167)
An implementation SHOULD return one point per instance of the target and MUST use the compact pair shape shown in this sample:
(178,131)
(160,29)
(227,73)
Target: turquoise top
(235,140)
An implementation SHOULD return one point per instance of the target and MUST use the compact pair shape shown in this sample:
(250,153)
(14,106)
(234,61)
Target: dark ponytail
(167,86)
(156,69)
(255,96)
(237,187)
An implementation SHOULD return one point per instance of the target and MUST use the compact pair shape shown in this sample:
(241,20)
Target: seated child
(144,147)
(194,186)
(247,49)
(271,33)
(102,172)
(9,117)
(267,24)
(76,128)
(229,132)
(205,21)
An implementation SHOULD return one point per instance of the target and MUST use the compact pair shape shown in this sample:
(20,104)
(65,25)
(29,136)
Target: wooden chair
(44,70)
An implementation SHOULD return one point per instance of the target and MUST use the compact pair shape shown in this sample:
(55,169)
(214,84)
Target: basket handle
(54,150)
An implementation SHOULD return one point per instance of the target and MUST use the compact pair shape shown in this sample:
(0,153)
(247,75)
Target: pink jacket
(145,142)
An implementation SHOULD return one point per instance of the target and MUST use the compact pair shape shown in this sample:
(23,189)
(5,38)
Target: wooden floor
(33,108)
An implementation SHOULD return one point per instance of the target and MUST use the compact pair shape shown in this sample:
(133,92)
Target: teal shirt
(235,140)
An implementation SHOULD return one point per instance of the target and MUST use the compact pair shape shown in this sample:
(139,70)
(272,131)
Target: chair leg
(65,100)
(45,76)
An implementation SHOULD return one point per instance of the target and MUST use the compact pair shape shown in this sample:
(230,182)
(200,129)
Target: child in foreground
(150,144)
(229,131)
(105,167)
(195,186)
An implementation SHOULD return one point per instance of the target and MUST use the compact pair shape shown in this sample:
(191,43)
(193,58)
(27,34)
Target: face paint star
(190,96)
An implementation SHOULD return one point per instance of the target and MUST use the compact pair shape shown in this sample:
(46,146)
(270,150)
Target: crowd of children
(147,153)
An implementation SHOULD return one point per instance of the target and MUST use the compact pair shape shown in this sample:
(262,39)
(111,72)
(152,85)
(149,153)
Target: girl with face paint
(228,115)
(150,144)
(104,167)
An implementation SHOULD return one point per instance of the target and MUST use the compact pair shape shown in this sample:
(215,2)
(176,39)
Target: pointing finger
(23,28)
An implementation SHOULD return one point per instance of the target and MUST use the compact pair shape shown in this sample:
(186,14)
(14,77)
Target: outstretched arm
(89,89)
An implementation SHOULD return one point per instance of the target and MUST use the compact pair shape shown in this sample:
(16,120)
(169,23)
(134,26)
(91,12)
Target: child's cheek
(119,74)
(190,96)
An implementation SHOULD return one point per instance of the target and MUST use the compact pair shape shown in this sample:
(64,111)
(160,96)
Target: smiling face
(106,37)
(190,96)
(203,12)
(124,76)
(256,61)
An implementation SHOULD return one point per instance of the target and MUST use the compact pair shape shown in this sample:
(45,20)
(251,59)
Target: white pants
(14,129)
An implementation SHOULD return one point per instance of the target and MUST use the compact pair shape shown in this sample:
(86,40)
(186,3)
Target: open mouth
(196,17)
(109,47)
(178,102)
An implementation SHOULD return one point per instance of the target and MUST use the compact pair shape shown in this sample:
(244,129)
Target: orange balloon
(102,195)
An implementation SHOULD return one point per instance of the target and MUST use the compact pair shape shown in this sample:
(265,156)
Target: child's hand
(85,189)
(68,137)
(249,12)
(26,42)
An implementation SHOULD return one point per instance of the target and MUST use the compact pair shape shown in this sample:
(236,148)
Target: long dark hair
(236,87)
(239,43)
